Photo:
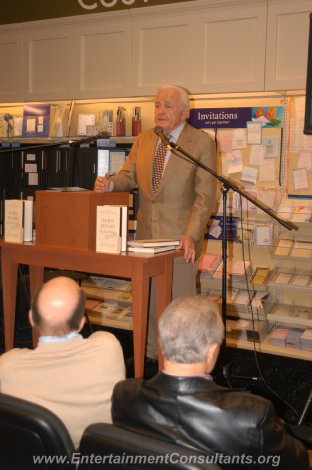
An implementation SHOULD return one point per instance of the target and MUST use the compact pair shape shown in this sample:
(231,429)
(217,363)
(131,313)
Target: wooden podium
(66,233)
(68,218)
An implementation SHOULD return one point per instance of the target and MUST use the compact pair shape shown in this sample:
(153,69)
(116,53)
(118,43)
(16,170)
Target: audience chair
(104,441)
(28,430)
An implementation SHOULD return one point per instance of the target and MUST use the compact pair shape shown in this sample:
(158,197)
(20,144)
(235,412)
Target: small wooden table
(140,268)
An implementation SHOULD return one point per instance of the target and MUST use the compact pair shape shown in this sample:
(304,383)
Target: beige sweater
(72,378)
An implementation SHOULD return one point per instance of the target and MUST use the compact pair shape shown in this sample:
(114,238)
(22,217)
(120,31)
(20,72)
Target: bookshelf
(289,285)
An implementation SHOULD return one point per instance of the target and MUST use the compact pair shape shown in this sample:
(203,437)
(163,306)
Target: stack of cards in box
(260,276)
(278,337)
(240,270)
(283,247)
(250,330)
(291,314)
(207,264)
(230,323)
(218,274)
(297,338)
(306,340)
(293,338)
(262,303)
(242,301)
(231,295)
(214,296)
(302,249)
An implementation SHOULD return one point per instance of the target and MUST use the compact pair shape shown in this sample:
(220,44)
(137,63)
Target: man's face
(169,109)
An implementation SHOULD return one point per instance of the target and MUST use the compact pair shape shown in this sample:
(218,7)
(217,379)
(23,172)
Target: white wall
(208,46)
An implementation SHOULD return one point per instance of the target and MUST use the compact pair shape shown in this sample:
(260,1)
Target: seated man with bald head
(66,373)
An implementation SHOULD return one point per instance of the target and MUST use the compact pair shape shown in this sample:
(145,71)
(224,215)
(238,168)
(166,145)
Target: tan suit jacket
(186,196)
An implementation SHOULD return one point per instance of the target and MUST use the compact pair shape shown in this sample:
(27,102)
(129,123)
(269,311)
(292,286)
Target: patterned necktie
(158,166)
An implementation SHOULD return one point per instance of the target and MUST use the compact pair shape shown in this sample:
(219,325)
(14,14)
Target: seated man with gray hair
(182,403)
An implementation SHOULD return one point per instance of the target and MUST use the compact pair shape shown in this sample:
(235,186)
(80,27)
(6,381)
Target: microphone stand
(72,156)
(73,145)
(227,184)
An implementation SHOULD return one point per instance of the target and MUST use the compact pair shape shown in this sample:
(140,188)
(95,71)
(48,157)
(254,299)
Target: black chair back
(29,431)
(124,449)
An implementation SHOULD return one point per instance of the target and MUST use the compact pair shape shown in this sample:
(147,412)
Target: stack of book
(109,301)
(112,315)
(108,289)
(153,246)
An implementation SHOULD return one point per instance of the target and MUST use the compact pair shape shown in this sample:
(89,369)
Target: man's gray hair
(184,93)
(187,328)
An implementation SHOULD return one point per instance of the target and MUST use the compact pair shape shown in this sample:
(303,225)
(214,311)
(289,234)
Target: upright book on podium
(111,228)
(18,220)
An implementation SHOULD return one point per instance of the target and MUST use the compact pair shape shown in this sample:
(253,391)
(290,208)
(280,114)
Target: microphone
(158,130)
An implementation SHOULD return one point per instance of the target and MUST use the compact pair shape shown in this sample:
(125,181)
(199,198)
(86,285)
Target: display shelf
(266,347)
(294,292)
(287,315)
(216,284)
(60,140)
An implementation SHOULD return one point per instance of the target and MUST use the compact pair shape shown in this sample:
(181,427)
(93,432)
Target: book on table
(151,249)
(156,242)
(18,220)
(111,228)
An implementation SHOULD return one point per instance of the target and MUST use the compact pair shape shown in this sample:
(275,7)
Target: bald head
(58,307)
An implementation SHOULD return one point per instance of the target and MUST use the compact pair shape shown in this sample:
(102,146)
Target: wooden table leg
(36,275)
(163,298)
(140,296)
(9,285)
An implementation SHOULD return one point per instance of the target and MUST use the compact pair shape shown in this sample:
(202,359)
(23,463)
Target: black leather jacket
(195,412)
